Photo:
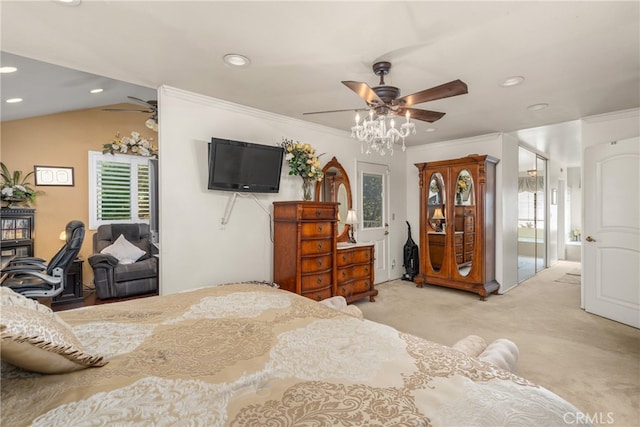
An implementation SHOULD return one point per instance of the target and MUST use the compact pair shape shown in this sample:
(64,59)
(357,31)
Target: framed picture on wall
(53,175)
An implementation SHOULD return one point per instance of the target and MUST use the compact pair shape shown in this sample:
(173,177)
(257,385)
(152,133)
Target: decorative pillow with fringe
(9,297)
(35,341)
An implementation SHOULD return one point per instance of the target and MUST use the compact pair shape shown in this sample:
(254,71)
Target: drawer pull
(344,274)
(319,263)
(344,291)
(319,297)
(319,280)
(344,257)
(320,228)
(366,269)
(318,212)
(320,244)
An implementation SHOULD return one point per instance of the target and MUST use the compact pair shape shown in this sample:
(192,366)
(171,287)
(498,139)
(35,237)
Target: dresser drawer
(316,229)
(313,282)
(459,258)
(362,255)
(345,274)
(354,256)
(315,263)
(468,247)
(318,295)
(457,239)
(318,212)
(469,237)
(354,287)
(344,258)
(468,224)
(315,246)
(361,271)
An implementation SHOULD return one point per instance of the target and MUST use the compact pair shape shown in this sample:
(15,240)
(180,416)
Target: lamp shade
(352,218)
(437,214)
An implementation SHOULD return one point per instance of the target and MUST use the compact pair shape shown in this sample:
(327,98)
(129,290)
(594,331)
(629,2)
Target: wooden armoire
(457,224)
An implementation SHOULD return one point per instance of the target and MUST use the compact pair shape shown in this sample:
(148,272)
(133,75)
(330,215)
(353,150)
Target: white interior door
(373,226)
(611,237)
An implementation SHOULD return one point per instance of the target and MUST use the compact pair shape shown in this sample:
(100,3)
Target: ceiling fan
(383,100)
(152,108)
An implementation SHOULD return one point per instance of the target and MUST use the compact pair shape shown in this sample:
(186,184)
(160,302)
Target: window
(118,189)
(372,203)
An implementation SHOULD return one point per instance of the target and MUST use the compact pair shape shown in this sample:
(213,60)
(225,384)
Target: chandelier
(374,132)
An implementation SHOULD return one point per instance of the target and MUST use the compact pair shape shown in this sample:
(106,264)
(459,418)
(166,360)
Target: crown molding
(243,109)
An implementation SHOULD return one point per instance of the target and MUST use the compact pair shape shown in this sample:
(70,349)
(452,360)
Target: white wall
(195,249)
(503,147)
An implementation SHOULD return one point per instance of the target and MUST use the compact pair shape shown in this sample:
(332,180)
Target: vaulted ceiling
(579,57)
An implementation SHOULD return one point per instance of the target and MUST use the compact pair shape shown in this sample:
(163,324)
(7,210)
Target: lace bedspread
(253,355)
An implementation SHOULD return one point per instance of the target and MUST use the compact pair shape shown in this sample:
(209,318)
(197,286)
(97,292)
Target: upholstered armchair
(123,263)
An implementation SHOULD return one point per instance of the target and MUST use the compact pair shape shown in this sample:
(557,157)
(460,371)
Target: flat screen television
(244,166)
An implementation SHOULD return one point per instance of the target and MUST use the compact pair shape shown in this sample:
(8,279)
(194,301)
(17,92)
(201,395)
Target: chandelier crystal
(374,132)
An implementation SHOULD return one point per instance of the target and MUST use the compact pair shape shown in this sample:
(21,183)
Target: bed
(249,354)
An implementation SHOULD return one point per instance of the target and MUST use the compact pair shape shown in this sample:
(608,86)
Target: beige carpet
(592,362)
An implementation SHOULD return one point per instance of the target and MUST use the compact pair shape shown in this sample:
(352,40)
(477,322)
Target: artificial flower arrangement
(134,144)
(302,160)
(16,188)
(464,181)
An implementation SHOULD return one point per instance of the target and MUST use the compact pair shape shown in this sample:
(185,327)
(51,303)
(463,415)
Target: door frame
(381,274)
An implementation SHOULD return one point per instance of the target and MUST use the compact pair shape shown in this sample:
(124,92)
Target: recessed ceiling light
(430,129)
(8,69)
(13,100)
(536,107)
(69,2)
(236,60)
(96,90)
(512,81)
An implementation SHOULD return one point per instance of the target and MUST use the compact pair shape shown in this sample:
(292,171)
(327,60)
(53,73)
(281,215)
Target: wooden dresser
(355,271)
(304,243)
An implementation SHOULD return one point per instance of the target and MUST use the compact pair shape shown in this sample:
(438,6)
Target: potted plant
(16,190)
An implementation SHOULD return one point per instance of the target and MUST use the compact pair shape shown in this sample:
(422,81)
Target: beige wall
(64,140)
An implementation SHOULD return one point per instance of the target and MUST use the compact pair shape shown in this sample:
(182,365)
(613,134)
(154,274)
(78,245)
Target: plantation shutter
(143,191)
(119,189)
(113,191)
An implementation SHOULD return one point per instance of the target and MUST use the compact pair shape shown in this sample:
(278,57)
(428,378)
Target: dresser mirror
(464,216)
(335,187)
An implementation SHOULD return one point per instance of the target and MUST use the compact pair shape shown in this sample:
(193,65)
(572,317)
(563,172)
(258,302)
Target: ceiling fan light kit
(375,134)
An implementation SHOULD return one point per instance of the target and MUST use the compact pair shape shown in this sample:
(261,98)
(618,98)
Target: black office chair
(33,278)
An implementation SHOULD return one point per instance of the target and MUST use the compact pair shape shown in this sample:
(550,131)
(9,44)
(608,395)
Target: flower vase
(307,185)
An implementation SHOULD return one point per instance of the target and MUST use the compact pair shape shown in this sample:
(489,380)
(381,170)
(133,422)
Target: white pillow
(125,251)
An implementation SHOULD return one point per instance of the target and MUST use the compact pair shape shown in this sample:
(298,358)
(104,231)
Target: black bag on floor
(411,260)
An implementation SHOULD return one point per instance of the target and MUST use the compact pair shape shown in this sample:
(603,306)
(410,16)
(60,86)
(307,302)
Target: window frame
(134,161)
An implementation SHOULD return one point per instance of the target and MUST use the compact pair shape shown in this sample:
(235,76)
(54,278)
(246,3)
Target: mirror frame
(334,163)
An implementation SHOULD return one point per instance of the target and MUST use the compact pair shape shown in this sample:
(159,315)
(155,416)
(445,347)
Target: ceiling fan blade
(336,111)
(128,110)
(153,104)
(424,115)
(454,88)
(364,91)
